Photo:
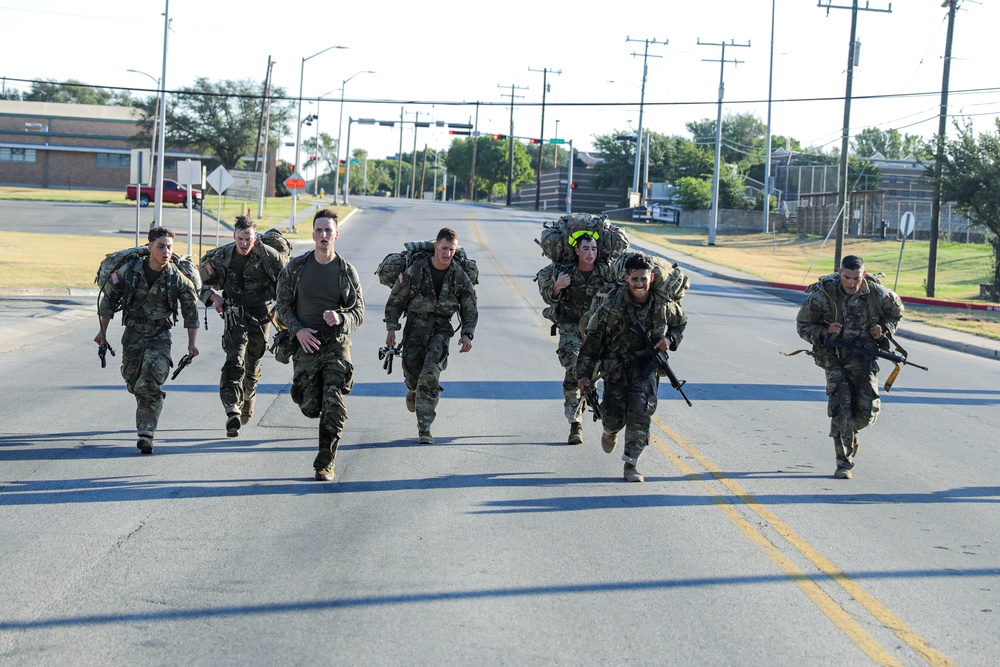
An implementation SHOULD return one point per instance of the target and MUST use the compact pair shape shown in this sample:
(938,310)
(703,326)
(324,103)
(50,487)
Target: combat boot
(246,412)
(842,473)
(326,473)
(145,443)
(609,441)
(633,475)
(575,433)
(425,437)
(857,443)
(411,401)
(233,425)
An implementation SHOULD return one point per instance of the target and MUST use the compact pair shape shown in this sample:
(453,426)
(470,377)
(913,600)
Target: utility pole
(642,102)
(161,133)
(510,136)
(939,158)
(399,153)
(714,223)
(267,128)
(475,142)
(843,217)
(541,134)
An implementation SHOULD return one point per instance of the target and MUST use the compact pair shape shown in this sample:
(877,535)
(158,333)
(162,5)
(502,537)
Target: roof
(61,110)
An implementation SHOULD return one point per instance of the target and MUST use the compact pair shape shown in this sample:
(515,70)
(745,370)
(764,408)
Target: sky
(435,61)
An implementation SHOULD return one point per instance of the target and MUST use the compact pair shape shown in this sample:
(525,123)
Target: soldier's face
(586,250)
(639,282)
(444,251)
(160,252)
(324,233)
(850,279)
(244,241)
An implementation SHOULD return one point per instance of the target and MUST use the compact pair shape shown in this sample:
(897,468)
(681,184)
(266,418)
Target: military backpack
(393,264)
(113,264)
(560,237)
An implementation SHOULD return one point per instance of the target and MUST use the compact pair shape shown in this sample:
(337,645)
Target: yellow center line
(827,605)
(863,597)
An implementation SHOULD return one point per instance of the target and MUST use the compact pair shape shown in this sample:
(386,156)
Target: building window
(114,160)
(17,154)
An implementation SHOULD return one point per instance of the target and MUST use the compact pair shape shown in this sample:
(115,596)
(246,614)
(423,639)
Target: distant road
(92,219)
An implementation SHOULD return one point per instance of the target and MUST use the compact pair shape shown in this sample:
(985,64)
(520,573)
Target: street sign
(557,141)
(906,224)
(189,172)
(295,183)
(139,165)
(220,179)
(246,185)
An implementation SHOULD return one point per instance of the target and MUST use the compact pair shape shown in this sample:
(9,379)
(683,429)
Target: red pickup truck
(173,193)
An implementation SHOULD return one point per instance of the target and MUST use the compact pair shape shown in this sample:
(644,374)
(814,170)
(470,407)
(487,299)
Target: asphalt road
(500,544)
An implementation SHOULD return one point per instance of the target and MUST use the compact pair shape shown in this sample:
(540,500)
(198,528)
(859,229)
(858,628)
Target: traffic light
(458,131)
(498,137)
(312,158)
(534,141)
(572,186)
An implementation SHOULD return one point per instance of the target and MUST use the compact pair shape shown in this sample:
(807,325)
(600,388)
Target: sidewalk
(954,340)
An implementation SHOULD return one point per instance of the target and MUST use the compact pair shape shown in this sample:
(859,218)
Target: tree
(971,178)
(72,91)
(325,152)
(744,138)
(491,164)
(222,119)
(695,193)
(891,144)
(616,171)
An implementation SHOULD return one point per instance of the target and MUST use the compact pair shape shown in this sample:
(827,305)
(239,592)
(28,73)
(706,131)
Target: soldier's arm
(468,307)
(395,306)
(810,323)
(676,324)
(284,306)
(188,298)
(353,314)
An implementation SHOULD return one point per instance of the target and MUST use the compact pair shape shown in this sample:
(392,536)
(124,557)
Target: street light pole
(298,131)
(161,135)
(340,128)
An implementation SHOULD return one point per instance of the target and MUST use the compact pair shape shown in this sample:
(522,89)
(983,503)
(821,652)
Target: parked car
(173,193)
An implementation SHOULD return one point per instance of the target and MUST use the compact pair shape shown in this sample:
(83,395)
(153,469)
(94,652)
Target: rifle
(594,401)
(233,314)
(184,362)
(385,355)
(659,360)
(872,351)
(102,351)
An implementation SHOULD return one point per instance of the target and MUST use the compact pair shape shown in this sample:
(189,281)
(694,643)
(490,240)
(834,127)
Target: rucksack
(559,237)
(830,281)
(670,283)
(393,264)
(115,261)
(276,240)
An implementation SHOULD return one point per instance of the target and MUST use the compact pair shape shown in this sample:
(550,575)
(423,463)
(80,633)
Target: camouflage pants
(570,341)
(320,381)
(244,341)
(852,404)
(425,356)
(146,364)
(629,402)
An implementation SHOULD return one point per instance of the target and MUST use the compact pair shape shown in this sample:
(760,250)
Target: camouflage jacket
(151,306)
(258,282)
(827,302)
(570,305)
(353,308)
(610,337)
(414,295)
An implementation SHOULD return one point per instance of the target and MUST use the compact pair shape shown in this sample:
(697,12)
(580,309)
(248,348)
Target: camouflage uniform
(630,381)
(567,310)
(148,314)
(428,328)
(248,295)
(321,379)
(851,380)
